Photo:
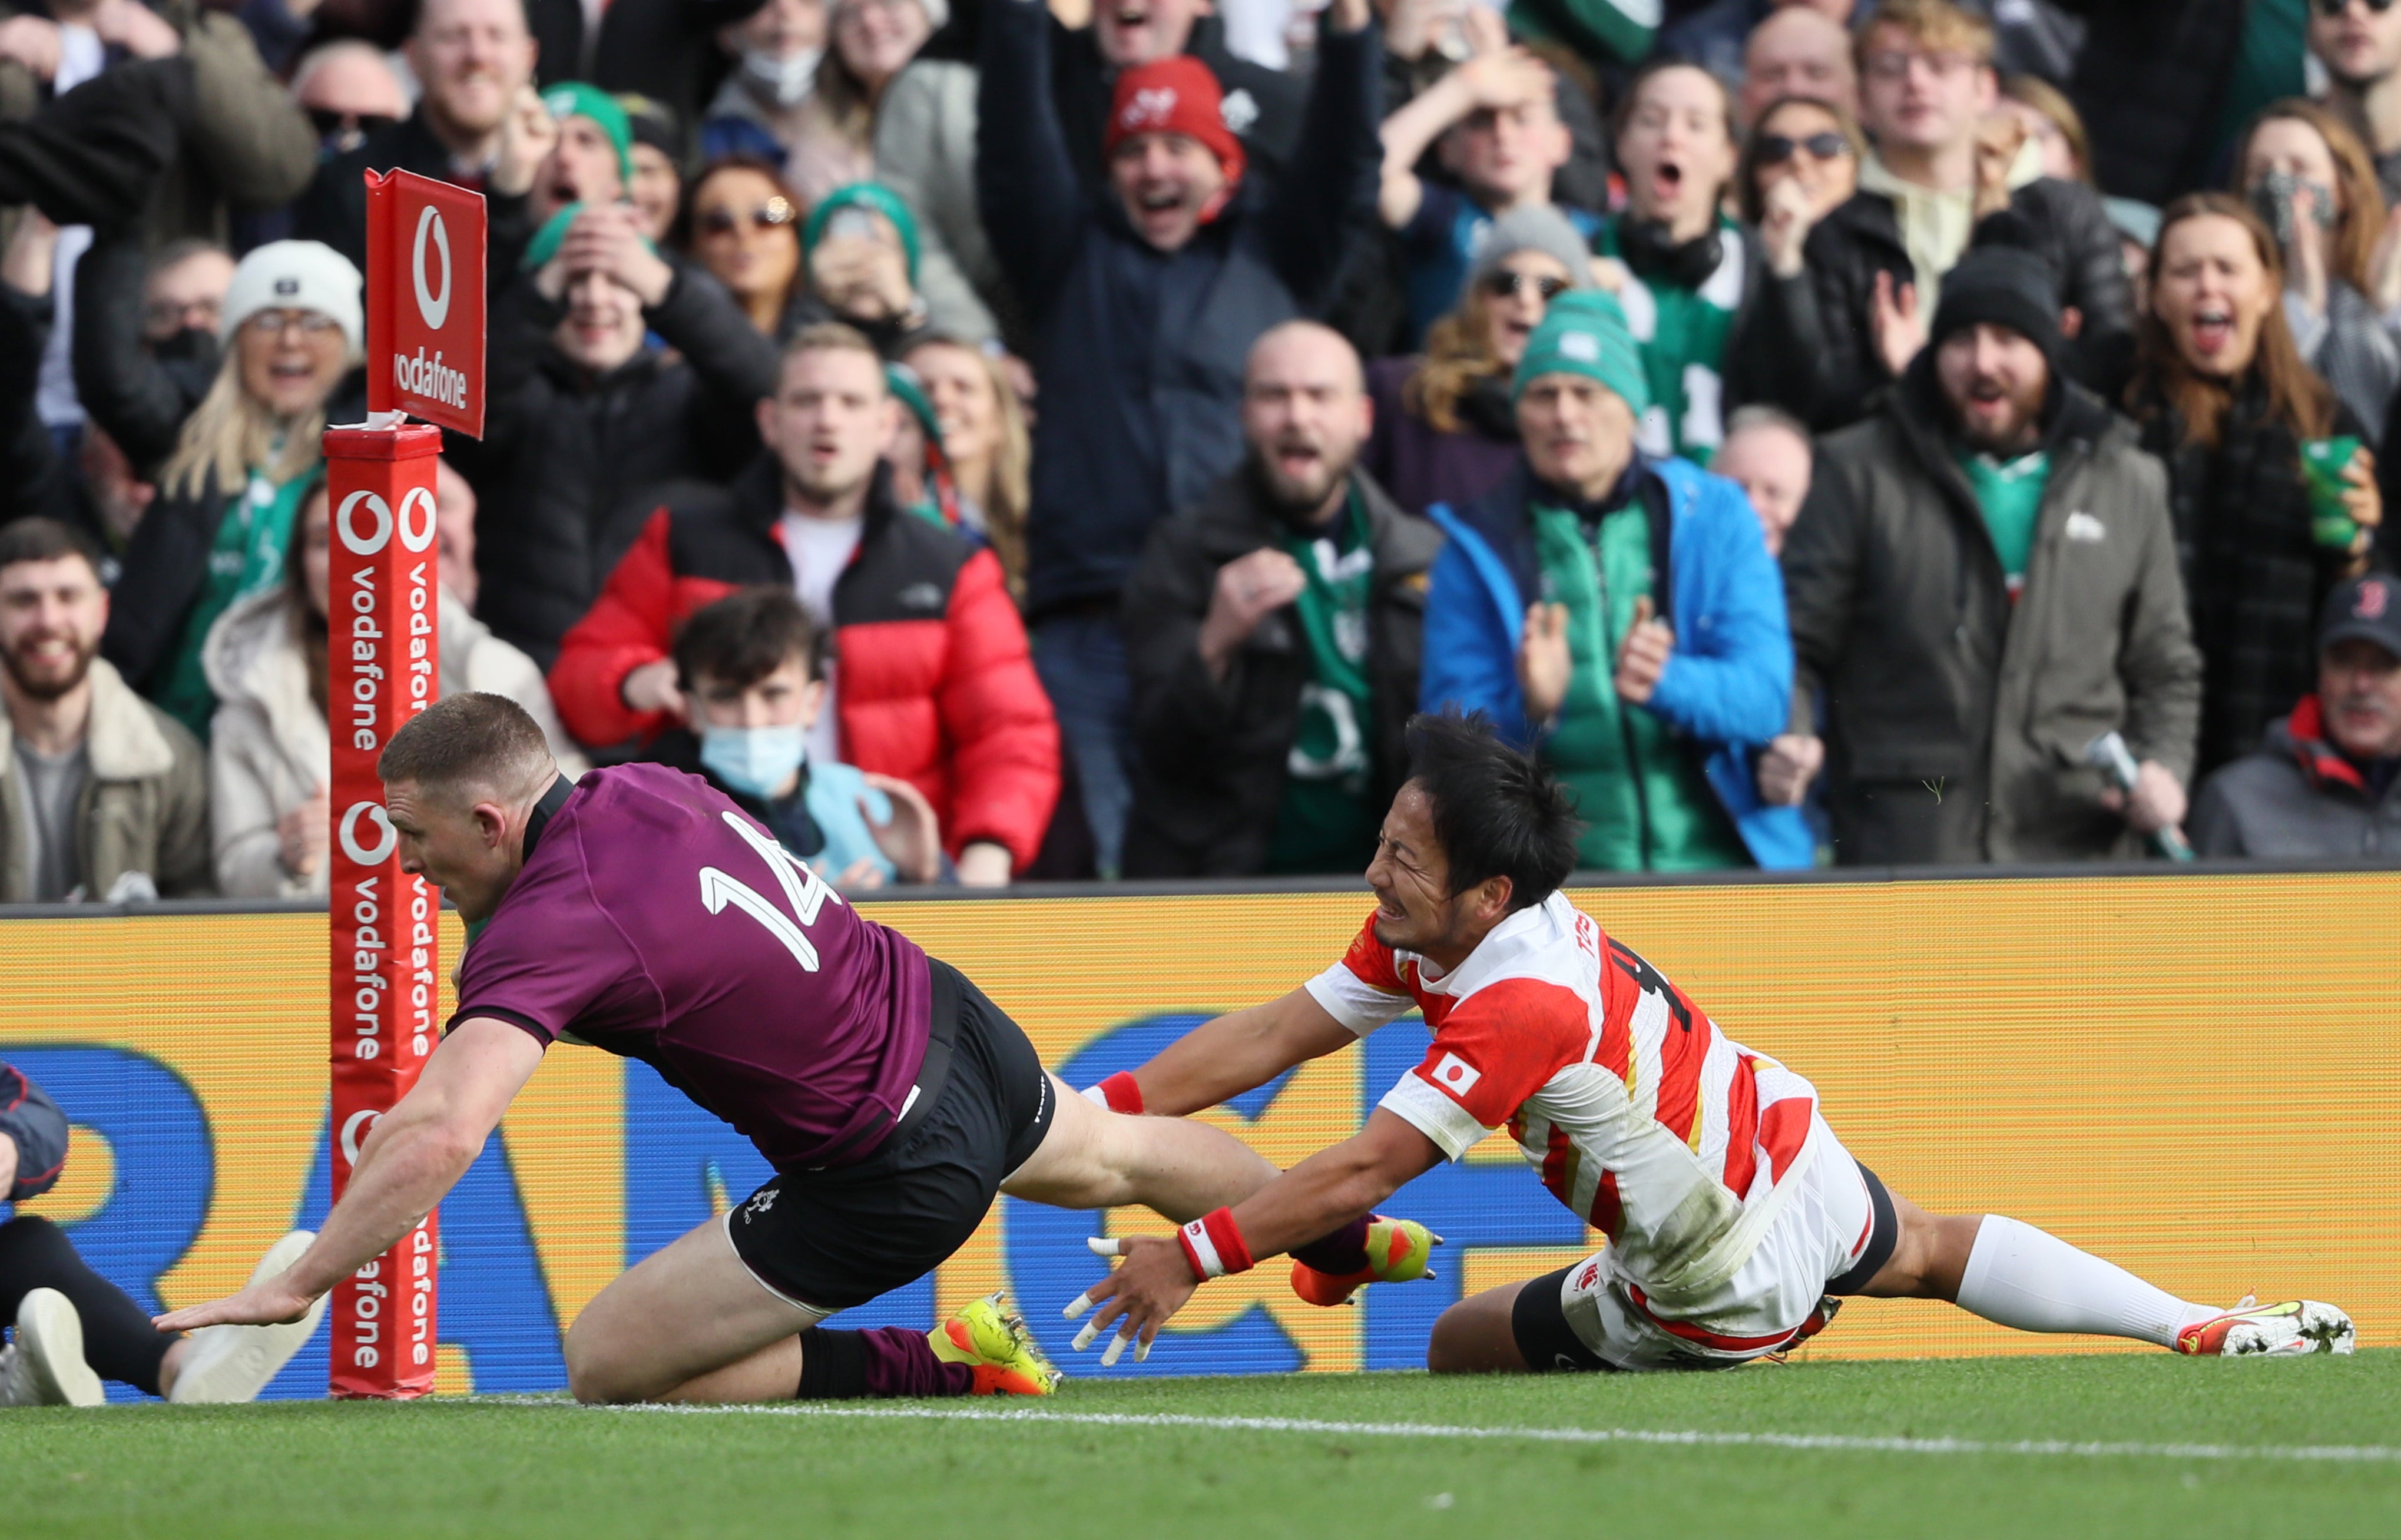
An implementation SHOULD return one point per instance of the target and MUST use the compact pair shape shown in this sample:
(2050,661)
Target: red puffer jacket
(932,679)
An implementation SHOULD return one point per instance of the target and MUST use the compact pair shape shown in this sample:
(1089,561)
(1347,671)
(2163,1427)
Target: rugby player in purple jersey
(639,910)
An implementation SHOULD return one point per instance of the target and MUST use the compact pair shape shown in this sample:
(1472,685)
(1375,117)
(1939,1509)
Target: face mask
(753,761)
(785,79)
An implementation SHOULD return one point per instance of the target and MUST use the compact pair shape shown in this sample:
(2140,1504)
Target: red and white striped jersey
(1639,1114)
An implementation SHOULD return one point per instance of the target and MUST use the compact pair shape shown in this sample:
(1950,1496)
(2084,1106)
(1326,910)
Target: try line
(1703,1438)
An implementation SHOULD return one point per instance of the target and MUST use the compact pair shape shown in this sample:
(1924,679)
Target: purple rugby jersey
(657,921)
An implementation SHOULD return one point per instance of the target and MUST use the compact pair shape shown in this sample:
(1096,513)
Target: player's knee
(594,1376)
(1461,1342)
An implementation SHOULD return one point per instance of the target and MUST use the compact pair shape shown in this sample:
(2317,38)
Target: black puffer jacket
(1806,344)
(29,481)
(1211,757)
(2149,84)
(570,465)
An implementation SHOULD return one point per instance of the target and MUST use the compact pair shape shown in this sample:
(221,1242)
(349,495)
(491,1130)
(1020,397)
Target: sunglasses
(2332,8)
(328,122)
(1776,148)
(1501,284)
(766,217)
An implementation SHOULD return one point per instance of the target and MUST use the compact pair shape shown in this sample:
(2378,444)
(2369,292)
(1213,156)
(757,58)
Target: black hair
(744,637)
(39,538)
(1498,812)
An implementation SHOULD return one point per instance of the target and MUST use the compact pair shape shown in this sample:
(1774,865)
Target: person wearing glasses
(291,333)
(1948,171)
(1493,125)
(742,223)
(1800,164)
(349,90)
(1681,268)
(2359,43)
(589,415)
(1445,429)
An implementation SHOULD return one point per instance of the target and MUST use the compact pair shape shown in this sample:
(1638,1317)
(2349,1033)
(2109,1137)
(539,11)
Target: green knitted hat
(1584,333)
(874,197)
(574,99)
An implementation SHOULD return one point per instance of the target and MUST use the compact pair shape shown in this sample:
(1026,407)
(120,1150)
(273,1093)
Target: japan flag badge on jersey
(1456,1074)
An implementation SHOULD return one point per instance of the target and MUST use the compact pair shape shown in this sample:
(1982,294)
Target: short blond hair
(1936,26)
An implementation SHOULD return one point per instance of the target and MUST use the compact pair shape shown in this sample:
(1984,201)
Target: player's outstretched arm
(1320,1194)
(1239,1052)
(417,1152)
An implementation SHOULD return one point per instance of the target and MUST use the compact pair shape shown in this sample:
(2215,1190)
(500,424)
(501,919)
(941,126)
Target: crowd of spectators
(996,440)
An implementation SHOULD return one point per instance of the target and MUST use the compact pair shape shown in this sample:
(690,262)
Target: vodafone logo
(346,523)
(387,840)
(354,1133)
(414,523)
(434,307)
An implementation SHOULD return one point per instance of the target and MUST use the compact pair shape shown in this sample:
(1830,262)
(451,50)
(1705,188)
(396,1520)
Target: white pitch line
(1690,1438)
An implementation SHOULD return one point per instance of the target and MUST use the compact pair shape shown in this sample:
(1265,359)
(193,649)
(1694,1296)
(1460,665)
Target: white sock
(2020,1276)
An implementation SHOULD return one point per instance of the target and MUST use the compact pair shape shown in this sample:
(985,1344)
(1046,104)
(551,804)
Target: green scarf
(1327,820)
(1684,354)
(1639,788)
(247,559)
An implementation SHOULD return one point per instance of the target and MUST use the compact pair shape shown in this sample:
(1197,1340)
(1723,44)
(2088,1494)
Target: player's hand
(2158,802)
(1642,656)
(1150,1285)
(270,1301)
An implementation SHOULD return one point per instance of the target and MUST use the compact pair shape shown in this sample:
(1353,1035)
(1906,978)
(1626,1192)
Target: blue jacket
(1729,682)
(1139,351)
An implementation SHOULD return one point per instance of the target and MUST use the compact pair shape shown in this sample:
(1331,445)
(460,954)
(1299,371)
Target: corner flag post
(425,356)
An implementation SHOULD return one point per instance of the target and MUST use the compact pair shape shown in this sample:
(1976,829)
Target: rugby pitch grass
(2054,1446)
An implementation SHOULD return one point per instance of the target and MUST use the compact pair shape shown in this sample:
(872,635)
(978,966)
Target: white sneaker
(228,1363)
(45,1367)
(2252,1329)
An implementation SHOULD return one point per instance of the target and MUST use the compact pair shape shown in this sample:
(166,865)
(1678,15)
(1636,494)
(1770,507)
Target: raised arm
(1219,1060)
(418,1151)
(1506,77)
(1026,181)
(1320,193)
(140,402)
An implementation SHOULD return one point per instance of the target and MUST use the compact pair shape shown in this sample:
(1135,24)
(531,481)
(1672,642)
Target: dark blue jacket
(39,1129)
(1139,351)
(1728,684)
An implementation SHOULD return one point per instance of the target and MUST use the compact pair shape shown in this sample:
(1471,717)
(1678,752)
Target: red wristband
(1121,1093)
(1214,1245)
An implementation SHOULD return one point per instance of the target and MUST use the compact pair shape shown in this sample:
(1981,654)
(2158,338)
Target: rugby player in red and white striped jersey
(1735,1220)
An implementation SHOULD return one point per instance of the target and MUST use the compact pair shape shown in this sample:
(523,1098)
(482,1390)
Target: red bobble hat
(1175,95)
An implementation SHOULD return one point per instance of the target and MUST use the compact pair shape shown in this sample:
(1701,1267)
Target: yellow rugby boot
(992,1339)
(1398,1251)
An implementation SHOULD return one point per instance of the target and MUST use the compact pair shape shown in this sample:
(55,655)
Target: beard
(37,684)
(2014,434)
(1298,498)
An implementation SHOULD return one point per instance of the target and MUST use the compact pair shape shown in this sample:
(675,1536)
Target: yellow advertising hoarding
(2190,1074)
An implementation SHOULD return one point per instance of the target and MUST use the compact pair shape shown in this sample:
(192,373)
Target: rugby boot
(992,1340)
(44,1366)
(1398,1251)
(2252,1329)
(231,1363)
